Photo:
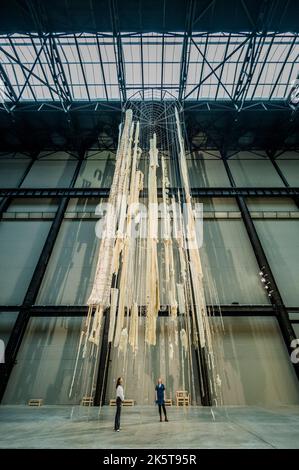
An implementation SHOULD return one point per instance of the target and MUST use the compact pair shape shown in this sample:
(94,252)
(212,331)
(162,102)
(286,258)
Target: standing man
(119,399)
(160,389)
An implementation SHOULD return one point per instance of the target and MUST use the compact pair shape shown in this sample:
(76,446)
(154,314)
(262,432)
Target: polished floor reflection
(194,427)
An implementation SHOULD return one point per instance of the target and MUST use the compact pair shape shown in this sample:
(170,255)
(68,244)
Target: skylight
(76,67)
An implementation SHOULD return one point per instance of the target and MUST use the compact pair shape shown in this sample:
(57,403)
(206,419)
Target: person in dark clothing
(119,399)
(160,389)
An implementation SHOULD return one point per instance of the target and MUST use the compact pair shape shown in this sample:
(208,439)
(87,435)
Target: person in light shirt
(119,399)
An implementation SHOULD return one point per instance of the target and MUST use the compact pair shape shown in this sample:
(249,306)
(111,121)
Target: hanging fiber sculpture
(142,261)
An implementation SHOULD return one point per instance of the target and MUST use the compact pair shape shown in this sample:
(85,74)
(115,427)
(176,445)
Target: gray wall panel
(45,363)
(280,240)
(21,243)
(70,272)
(96,173)
(206,172)
(228,258)
(290,170)
(254,363)
(11,172)
(50,173)
(255,172)
(7,321)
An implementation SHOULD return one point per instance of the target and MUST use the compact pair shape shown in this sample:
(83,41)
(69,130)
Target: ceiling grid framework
(117,66)
(70,66)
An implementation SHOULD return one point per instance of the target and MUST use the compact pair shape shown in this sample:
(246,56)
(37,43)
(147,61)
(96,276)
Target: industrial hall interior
(149,224)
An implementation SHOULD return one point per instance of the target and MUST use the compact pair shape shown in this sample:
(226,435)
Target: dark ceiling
(148,15)
(208,126)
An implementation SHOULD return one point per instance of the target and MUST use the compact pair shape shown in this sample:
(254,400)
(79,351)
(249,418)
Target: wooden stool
(128,403)
(124,403)
(182,398)
(87,401)
(168,402)
(35,402)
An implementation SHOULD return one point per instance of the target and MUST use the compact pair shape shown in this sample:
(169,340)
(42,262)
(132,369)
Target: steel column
(100,393)
(282,316)
(185,49)
(6,201)
(282,177)
(20,326)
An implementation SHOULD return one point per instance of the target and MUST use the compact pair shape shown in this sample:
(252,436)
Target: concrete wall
(21,243)
(45,363)
(254,363)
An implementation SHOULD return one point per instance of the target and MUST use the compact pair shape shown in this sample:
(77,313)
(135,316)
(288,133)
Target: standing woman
(160,389)
(119,399)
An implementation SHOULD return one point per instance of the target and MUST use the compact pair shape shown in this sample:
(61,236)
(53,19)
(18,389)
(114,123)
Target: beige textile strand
(152,278)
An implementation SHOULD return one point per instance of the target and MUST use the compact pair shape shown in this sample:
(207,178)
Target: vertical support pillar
(206,395)
(6,200)
(100,393)
(278,170)
(282,177)
(285,325)
(20,326)
(202,368)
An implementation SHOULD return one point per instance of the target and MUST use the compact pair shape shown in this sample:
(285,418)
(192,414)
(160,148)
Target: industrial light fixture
(58,139)
(266,283)
(261,273)
(247,138)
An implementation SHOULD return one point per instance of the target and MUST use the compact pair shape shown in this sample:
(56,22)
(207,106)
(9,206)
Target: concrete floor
(194,427)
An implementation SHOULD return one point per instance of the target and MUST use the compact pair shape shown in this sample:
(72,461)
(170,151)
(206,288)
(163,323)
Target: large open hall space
(149,232)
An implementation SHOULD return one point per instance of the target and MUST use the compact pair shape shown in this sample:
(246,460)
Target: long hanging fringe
(129,275)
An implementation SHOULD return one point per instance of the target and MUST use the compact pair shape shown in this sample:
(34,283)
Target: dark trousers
(160,410)
(117,415)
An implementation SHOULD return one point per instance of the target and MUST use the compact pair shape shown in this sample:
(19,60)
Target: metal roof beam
(81,66)
(57,72)
(102,67)
(221,72)
(186,48)
(249,65)
(142,68)
(26,69)
(118,51)
(41,66)
(242,44)
(6,90)
(32,68)
(263,65)
(21,65)
(213,72)
(283,66)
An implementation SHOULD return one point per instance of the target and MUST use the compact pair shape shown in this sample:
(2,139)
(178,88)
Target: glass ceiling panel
(88,66)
